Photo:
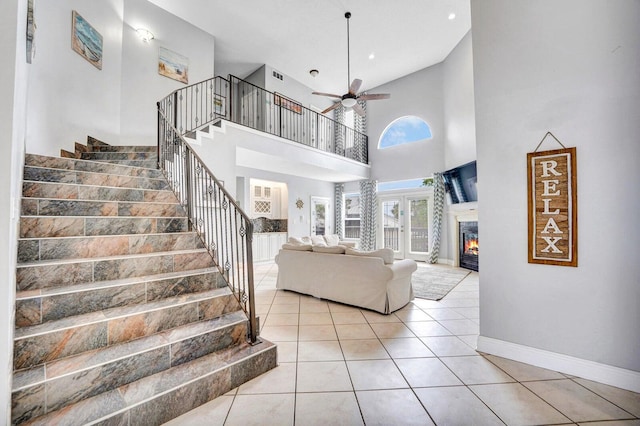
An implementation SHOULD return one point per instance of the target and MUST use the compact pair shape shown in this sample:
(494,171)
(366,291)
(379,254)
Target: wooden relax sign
(552,202)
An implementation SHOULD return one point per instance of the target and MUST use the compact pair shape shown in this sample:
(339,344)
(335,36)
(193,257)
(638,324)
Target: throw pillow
(296,241)
(298,247)
(318,240)
(329,249)
(332,240)
(386,254)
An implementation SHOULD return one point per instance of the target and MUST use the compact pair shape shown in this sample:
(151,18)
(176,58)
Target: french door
(405,222)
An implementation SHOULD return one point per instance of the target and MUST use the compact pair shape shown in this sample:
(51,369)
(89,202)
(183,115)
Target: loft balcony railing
(244,103)
(272,113)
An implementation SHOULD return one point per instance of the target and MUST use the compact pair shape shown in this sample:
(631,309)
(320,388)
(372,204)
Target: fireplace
(468,245)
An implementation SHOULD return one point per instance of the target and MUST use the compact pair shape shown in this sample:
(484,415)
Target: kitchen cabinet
(267,244)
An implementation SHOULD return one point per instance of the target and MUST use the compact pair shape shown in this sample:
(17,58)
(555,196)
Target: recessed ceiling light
(452,16)
(372,55)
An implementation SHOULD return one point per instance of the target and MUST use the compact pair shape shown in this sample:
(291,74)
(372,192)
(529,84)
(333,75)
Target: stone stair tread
(99,285)
(115,257)
(106,406)
(109,314)
(105,355)
(84,177)
(79,237)
(74,163)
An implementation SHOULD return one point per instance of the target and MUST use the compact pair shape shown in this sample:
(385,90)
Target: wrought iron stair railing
(225,229)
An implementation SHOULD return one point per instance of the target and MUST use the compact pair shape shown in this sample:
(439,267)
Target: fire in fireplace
(468,256)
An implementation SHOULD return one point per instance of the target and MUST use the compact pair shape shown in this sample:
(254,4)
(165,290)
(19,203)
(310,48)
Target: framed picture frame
(86,40)
(552,205)
(173,65)
(220,105)
(287,103)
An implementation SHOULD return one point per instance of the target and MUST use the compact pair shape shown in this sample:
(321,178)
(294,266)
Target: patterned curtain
(338,115)
(338,202)
(438,209)
(368,210)
(360,126)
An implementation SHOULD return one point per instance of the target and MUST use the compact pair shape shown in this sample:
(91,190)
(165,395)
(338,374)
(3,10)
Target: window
(352,216)
(406,129)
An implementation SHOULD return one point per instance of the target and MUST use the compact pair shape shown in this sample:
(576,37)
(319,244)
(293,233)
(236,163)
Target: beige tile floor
(339,365)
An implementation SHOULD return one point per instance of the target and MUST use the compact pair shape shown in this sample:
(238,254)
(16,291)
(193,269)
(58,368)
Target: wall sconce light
(145,35)
(314,72)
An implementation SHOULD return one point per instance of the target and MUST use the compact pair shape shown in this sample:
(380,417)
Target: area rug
(434,282)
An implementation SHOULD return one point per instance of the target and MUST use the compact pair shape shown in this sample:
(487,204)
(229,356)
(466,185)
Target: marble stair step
(62,382)
(36,249)
(34,160)
(53,340)
(156,399)
(53,175)
(70,191)
(39,306)
(123,148)
(72,226)
(52,207)
(118,155)
(135,163)
(61,273)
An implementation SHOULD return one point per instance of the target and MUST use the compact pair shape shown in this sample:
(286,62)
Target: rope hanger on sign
(545,137)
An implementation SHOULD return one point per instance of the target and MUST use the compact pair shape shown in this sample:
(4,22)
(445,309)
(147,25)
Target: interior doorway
(405,225)
(321,223)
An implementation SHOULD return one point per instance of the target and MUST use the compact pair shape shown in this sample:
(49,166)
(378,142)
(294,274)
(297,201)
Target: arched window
(404,130)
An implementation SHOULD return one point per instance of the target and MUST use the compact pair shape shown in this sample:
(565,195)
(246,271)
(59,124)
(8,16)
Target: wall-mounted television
(461,183)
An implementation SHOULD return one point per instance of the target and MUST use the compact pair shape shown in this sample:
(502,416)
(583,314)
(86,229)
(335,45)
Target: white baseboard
(602,373)
(445,261)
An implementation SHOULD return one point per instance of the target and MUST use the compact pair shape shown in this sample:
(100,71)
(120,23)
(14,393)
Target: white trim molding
(602,373)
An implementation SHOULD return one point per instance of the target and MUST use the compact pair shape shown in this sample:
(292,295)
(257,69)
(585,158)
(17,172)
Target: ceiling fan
(351,98)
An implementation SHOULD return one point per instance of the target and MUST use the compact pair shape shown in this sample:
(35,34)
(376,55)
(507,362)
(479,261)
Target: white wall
(298,187)
(69,98)
(419,94)
(459,111)
(142,86)
(571,68)
(13,92)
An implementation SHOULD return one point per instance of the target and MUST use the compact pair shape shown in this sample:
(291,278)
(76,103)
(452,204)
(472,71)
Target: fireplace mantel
(467,212)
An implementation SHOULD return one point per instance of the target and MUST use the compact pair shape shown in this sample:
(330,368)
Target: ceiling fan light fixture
(349,102)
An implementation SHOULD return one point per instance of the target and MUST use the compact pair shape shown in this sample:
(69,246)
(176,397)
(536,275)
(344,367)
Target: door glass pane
(391,224)
(419,226)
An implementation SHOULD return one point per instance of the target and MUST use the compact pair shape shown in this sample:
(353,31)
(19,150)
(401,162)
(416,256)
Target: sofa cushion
(299,241)
(332,240)
(386,254)
(329,249)
(299,247)
(318,240)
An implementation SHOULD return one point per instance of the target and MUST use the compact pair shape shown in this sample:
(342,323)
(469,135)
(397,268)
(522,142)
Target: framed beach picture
(220,105)
(173,65)
(85,40)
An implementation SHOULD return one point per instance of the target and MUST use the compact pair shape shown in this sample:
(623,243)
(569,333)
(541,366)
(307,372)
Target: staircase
(121,315)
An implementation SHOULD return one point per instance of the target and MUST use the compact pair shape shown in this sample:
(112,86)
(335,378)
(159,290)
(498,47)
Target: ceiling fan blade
(332,107)
(358,109)
(330,95)
(373,96)
(355,86)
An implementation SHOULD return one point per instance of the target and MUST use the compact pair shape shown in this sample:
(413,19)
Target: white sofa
(361,280)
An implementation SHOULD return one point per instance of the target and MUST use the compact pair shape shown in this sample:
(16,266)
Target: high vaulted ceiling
(295,36)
